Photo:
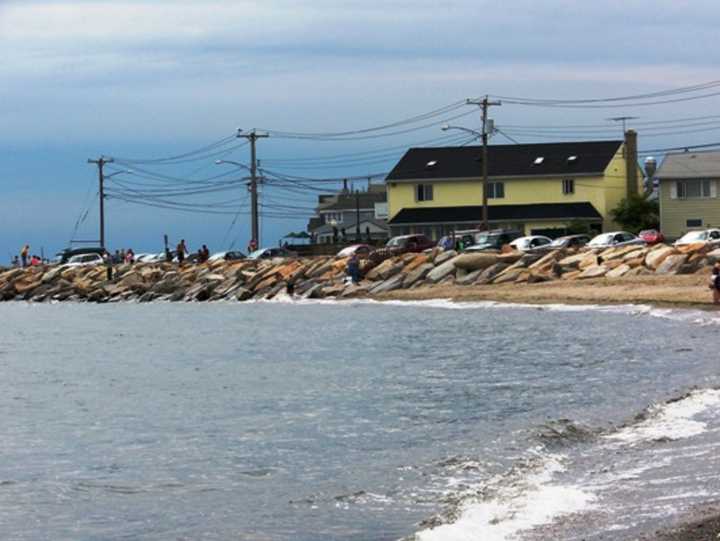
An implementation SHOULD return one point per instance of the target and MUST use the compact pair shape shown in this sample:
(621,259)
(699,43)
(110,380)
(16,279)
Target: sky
(152,79)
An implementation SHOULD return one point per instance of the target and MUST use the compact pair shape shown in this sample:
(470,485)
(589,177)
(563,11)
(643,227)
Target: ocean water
(354,421)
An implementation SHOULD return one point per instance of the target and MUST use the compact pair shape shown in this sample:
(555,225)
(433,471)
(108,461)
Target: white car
(691,237)
(613,239)
(526,244)
(82,260)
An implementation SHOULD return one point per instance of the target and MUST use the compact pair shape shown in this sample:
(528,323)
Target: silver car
(615,238)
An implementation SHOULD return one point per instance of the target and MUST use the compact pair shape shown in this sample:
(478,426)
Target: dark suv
(493,240)
(409,243)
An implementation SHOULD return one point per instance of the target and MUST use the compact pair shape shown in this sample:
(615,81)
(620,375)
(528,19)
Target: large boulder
(596,271)
(385,270)
(469,278)
(475,261)
(618,271)
(491,272)
(714,256)
(509,275)
(572,261)
(443,270)
(395,282)
(657,256)
(416,275)
(671,264)
(442,257)
(589,260)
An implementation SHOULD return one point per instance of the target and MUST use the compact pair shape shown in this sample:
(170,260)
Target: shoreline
(677,291)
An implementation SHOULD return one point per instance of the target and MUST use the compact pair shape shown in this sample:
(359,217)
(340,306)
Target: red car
(652,236)
(409,243)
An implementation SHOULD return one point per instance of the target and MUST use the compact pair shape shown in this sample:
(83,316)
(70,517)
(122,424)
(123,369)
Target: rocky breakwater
(324,277)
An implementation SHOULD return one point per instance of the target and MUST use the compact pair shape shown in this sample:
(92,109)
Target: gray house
(338,215)
(689,192)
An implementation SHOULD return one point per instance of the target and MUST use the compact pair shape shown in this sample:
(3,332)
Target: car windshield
(693,236)
(559,242)
(483,238)
(257,253)
(397,241)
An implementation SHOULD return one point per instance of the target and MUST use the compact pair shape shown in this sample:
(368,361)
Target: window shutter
(713,188)
(673,190)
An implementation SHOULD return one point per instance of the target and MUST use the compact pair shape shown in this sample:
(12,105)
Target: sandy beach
(683,291)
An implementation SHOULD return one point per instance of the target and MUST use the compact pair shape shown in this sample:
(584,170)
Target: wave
(694,316)
(672,420)
(520,500)
(531,496)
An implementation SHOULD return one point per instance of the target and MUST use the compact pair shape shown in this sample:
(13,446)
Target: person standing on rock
(24,253)
(715,283)
(108,265)
(353,268)
(181,251)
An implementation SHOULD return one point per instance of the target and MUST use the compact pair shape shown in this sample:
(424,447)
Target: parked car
(706,235)
(65,255)
(82,260)
(360,250)
(269,253)
(493,240)
(227,256)
(651,236)
(465,236)
(614,238)
(409,243)
(530,243)
(569,241)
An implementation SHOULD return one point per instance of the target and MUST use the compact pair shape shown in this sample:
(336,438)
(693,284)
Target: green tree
(636,213)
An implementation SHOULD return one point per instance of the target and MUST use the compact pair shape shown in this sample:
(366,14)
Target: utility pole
(357,215)
(252,136)
(484,104)
(100,162)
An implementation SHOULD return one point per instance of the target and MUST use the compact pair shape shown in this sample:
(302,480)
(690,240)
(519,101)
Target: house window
(694,222)
(693,189)
(424,192)
(496,190)
(334,217)
(568,186)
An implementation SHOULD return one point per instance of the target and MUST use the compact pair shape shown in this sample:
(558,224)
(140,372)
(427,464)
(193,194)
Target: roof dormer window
(539,160)
(430,164)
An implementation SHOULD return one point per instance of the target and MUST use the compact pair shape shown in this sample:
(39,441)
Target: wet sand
(688,291)
(704,528)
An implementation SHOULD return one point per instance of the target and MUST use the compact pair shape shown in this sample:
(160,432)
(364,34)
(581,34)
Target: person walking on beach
(181,251)
(715,283)
(24,253)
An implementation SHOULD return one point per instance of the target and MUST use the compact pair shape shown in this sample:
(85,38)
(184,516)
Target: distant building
(689,191)
(337,215)
(536,188)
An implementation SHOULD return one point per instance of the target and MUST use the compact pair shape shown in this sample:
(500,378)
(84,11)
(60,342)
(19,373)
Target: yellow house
(536,188)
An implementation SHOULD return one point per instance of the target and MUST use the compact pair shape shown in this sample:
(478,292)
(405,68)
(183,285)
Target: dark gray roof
(350,226)
(539,211)
(690,165)
(347,201)
(591,157)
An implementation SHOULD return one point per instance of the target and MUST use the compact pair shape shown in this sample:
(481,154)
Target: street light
(447,127)
(125,172)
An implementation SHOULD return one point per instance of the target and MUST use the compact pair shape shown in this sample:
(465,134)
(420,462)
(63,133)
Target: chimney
(631,157)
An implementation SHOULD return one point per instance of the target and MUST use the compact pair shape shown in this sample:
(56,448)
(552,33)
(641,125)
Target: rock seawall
(323,277)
